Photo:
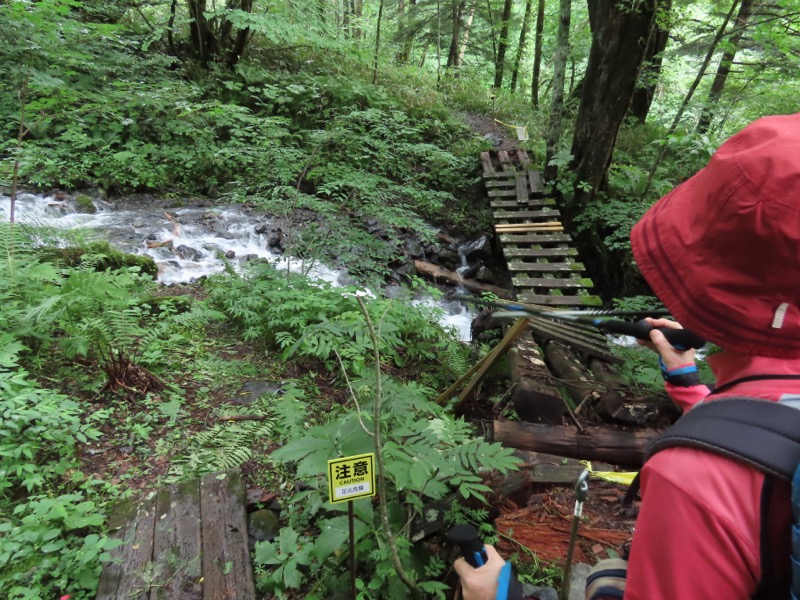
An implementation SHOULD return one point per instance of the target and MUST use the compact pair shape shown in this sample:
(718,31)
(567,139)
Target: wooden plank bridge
(186,542)
(548,356)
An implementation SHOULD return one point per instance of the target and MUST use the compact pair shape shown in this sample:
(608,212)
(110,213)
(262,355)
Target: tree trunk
(651,67)
(452,52)
(745,10)
(689,94)
(467,28)
(502,44)
(358,6)
(537,54)
(615,59)
(597,443)
(523,33)
(215,38)
(557,98)
(377,44)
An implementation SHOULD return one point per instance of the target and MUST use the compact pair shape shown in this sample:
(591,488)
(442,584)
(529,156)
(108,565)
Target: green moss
(101,254)
(85,204)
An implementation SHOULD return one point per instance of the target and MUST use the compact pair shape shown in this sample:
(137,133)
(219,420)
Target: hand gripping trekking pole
(468,540)
(581,493)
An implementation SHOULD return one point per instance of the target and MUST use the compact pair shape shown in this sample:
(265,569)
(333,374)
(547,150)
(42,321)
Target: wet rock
(262,228)
(406,270)
(220,229)
(263,526)
(276,239)
(472,270)
(248,258)
(85,204)
(188,253)
(210,215)
(486,275)
(138,223)
(393,291)
(413,248)
(449,256)
(253,390)
(230,254)
(540,593)
(478,249)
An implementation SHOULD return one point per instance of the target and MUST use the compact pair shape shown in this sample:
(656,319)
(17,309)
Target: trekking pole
(581,493)
(468,540)
(679,338)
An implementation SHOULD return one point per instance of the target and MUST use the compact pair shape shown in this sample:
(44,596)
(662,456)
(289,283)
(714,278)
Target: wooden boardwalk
(538,252)
(187,542)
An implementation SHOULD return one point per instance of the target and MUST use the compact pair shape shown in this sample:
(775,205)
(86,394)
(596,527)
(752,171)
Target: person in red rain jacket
(722,252)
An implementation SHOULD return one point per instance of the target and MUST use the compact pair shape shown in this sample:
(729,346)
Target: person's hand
(480,583)
(670,356)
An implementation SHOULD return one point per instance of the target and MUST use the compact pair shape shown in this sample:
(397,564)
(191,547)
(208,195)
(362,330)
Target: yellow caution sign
(351,477)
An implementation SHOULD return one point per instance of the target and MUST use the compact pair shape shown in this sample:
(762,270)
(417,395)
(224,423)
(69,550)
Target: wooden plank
(509,181)
(528,228)
(515,330)
(535,238)
(504,174)
(128,575)
(522,189)
(545,267)
(227,572)
(505,162)
(591,343)
(523,158)
(527,214)
(505,204)
(502,192)
(177,554)
(539,252)
(555,300)
(552,282)
(486,164)
(536,185)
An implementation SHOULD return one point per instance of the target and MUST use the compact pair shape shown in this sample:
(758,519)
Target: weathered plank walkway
(187,542)
(545,271)
(536,248)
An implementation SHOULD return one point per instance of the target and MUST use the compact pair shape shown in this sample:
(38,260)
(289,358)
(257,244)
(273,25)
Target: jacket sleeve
(687,542)
(686,397)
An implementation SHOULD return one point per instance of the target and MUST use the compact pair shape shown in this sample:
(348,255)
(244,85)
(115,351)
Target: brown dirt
(501,136)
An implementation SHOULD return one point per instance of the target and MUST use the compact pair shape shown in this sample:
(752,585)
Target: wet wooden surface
(188,541)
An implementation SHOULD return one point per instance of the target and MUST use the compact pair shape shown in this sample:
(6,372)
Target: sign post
(349,478)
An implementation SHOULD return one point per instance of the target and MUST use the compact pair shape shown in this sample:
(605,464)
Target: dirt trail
(503,138)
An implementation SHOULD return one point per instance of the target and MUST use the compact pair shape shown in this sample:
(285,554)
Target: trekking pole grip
(679,338)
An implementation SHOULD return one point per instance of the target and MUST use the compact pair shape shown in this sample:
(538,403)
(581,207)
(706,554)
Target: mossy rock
(85,204)
(103,255)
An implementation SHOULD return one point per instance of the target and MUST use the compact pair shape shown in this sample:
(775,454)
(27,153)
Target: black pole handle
(469,542)
(679,338)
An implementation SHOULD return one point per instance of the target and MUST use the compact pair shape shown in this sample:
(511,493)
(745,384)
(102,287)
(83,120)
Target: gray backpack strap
(761,433)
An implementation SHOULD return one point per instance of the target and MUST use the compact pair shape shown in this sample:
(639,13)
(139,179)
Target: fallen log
(535,396)
(609,445)
(437,272)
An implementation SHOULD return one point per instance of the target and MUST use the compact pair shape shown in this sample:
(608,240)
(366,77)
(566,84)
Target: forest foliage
(352,110)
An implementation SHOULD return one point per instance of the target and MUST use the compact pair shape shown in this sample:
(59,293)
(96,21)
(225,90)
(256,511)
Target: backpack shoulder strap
(761,433)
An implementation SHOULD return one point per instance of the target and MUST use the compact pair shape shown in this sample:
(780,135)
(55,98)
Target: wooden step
(591,342)
(511,204)
(503,175)
(552,282)
(545,267)
(490,184)
(547,300)
(188,541)
(539,252)
(534,238)
(545,213)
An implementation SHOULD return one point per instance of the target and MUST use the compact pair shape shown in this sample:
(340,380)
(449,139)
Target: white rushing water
(189,242)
